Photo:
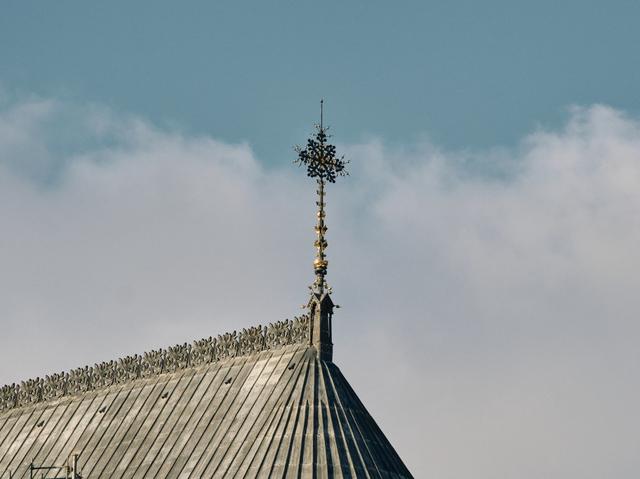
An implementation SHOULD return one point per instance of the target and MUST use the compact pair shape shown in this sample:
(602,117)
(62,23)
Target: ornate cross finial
(321,162)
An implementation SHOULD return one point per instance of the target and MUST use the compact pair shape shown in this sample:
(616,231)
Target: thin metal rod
(320,264)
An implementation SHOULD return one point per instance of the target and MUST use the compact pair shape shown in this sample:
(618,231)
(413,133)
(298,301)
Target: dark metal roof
(278,412)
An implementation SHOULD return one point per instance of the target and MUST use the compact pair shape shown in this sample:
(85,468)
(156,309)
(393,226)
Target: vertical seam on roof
(182,383)
(229,423)
(362,439)
(91,432)
(286,405)
(49,446)
(281,415)
(101,430)
(118,436)
(298,408)
(203,399)
(4,420)
(255,403)
(169,383)
(83,422)
(293,431)
(19,432)
(121,450)
(278,412)
(214,386)
(222,371)
(243,368)
(332,420)
(231,412)
(105,434)
(8,431)
(174,418)
(314,413)
(23,438)
(342,411)
(236,362)
(109,434)
(34,442)
(191,406)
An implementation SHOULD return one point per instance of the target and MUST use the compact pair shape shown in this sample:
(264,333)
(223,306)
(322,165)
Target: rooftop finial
(319,157)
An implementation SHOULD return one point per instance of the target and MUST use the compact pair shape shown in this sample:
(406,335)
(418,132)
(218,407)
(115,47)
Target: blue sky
(484,250)
(465,74)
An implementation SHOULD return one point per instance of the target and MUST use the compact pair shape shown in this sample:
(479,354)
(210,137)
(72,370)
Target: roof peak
(182,356)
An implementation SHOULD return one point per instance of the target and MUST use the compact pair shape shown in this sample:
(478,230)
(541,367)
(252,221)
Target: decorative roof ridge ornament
(182,356)
(320,159)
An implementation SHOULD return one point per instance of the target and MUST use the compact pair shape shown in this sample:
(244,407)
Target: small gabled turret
(320,316)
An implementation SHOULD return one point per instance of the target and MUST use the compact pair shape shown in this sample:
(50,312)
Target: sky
(483,249)
(465,74)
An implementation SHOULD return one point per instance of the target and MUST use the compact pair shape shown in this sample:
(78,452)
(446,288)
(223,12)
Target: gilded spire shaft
(320,264)
(322,164)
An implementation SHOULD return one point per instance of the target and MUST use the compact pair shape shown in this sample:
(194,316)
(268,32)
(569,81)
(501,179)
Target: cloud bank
(489,316)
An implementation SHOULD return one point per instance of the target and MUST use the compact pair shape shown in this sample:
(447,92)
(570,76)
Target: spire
(322,164)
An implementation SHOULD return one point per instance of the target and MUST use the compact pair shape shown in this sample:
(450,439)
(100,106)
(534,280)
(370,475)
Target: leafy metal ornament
(319,157)
(321,162)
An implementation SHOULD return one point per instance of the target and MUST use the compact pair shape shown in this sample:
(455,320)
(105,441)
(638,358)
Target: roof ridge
(174,358)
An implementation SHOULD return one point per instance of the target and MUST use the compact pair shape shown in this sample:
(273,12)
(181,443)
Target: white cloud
(489,298)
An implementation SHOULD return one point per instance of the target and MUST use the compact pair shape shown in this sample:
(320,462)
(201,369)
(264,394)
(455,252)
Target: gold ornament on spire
(321,162)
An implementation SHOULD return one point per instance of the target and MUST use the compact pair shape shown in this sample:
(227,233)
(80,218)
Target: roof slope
(277,412)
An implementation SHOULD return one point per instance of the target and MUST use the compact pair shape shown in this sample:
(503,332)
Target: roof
(259,403)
